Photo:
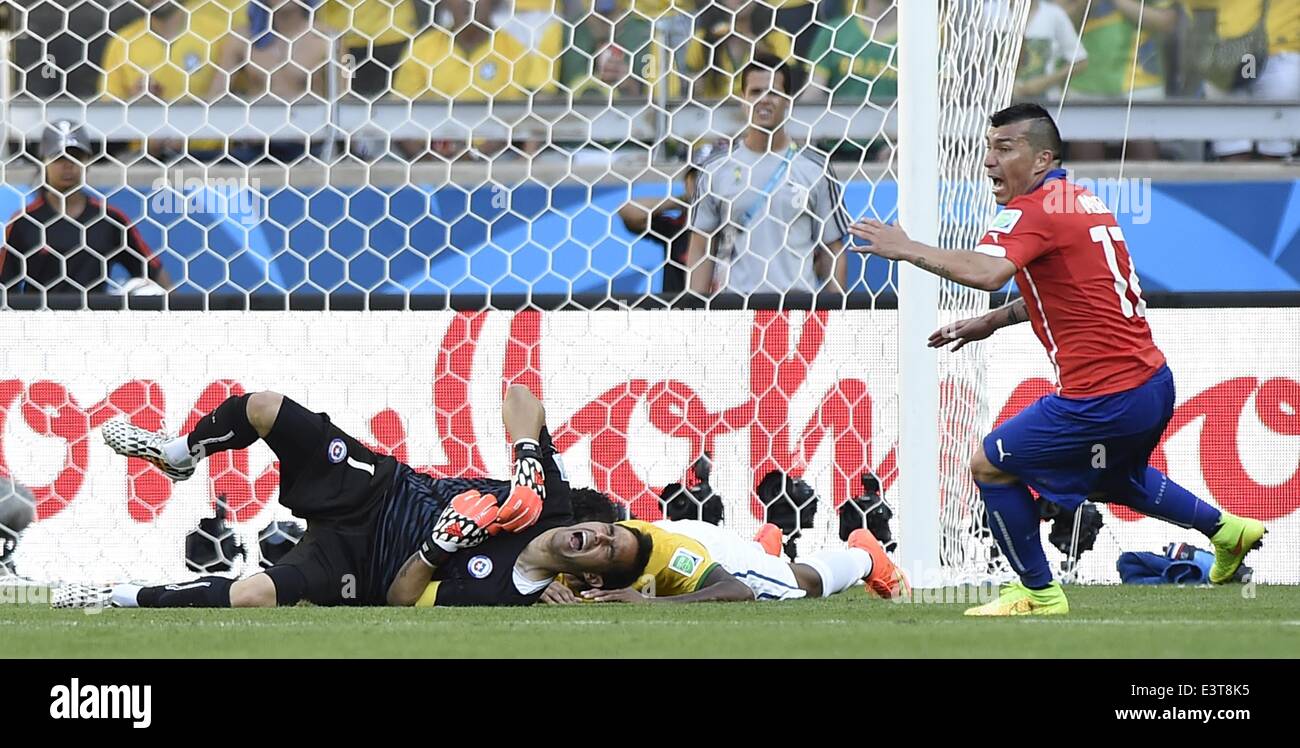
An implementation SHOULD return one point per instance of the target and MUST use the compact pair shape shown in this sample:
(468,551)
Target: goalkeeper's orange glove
(463,524)
(523,506)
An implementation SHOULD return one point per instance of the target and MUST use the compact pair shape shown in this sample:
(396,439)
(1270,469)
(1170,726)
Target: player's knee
(258,591)
(263,407)
(983,471)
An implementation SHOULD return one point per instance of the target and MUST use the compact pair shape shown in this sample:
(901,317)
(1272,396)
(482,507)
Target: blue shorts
(1068,450)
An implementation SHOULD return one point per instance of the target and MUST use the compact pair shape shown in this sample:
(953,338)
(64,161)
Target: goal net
(389,210)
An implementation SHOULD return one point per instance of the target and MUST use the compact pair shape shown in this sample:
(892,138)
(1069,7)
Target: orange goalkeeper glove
(523,506)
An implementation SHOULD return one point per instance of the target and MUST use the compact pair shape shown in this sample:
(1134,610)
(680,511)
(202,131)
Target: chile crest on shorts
(480,567)
(337,451)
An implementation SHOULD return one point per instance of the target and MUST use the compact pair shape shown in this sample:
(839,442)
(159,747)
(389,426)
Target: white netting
(977,64)
(390,154)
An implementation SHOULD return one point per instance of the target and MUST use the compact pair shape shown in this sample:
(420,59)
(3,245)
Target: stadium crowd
(628,55)
(841,51)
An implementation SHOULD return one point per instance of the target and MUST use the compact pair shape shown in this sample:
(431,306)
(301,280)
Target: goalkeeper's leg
(279,585)
(258,591)
(235,424)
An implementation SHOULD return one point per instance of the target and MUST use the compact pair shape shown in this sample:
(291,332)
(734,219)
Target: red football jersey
(1080,288)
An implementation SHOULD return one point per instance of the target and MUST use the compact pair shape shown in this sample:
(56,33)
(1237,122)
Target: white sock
(177,451)
(839,569)
(124,595)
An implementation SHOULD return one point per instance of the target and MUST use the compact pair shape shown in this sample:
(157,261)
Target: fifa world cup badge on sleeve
(1005,221)
(684,562)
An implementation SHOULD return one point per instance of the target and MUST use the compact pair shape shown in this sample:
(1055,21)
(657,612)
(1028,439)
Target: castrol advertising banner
(631,397)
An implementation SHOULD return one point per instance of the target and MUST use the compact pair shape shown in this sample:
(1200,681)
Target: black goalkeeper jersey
(483,575)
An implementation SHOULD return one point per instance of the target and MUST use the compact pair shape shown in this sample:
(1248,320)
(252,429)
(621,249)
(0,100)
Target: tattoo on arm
(410,563)
(932,267)
(1015,313)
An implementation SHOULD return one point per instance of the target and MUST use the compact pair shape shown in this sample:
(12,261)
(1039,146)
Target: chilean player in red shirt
(1080,292)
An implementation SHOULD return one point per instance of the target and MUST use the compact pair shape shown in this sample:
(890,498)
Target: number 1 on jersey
(1107,237)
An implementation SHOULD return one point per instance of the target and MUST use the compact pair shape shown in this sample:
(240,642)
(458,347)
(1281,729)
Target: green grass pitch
(1104,622)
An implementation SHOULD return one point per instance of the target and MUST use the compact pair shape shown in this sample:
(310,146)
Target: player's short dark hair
(590,505)
(764,62)
(1043,134)
(626,577)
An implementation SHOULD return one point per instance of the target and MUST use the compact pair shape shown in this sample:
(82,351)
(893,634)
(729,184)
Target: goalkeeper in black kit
(371,519)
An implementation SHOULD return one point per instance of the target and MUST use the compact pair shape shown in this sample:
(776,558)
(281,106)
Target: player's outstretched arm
(524,420)
(979,328)
(974,269)
(522,413)
(719,586)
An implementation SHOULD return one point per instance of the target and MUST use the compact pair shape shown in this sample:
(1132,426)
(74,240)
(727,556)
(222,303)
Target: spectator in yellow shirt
(175,55)
(471,62)
(1256,55)
(535,23)
(721,48)
(376,36)
(160,56)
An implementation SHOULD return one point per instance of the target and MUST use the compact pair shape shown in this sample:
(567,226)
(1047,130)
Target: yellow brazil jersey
(1236,17)
(212,18)
(501,69)
(135,58)
(379,22)
(678,564)
(1283,24)
(1239,17)
(185,66)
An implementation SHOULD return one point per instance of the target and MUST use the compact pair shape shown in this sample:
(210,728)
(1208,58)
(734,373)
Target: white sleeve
(1068,40)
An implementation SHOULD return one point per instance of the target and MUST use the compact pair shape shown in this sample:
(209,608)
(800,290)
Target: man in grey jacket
(772,210)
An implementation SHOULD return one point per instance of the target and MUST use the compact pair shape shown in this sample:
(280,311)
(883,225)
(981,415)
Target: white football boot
(130,440)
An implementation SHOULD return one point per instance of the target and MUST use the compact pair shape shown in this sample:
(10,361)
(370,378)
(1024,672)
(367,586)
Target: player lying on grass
(1115,395)
(375,525)
(693,561)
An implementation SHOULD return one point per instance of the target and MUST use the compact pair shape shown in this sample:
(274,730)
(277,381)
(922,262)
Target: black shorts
(325,474)
(339,486)
(332,566)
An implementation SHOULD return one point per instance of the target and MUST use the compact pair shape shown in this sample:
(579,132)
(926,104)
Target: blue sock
(1013,517)
(1169,501)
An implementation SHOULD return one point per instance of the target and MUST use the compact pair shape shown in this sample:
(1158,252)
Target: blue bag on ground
(1179,564)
